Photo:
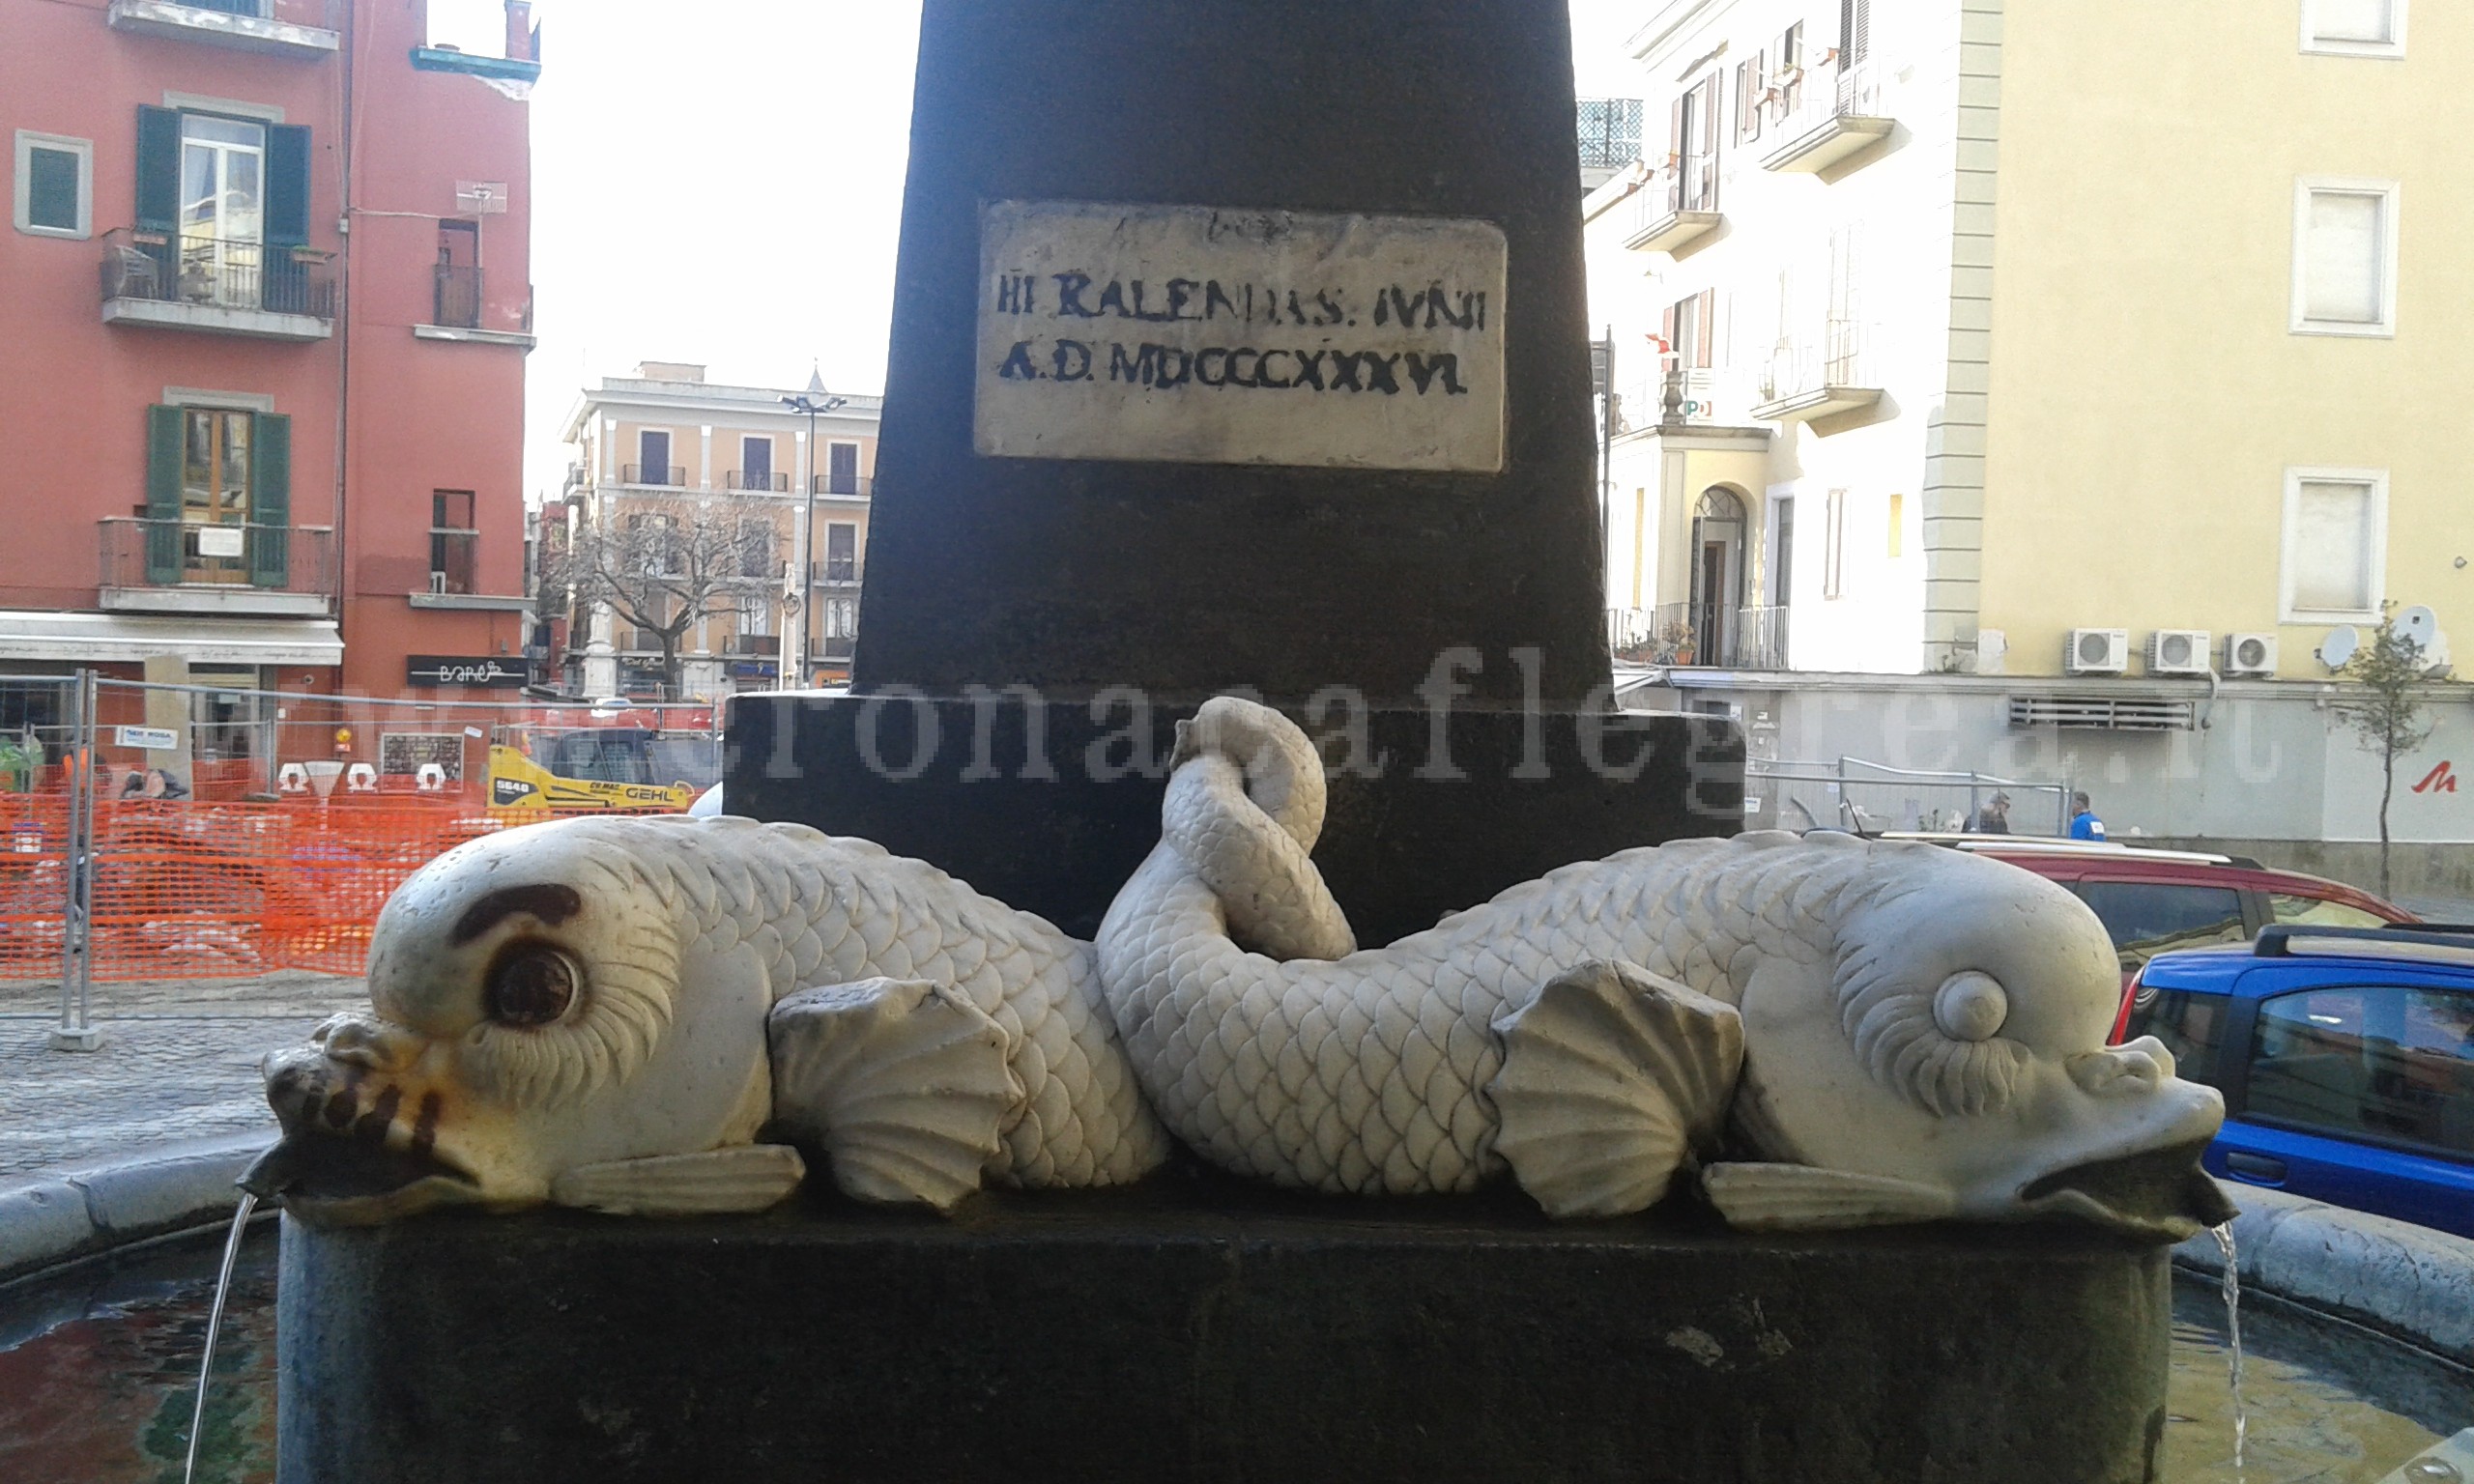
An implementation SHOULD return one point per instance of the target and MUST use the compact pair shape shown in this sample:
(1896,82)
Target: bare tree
(2391,714)
(667,565)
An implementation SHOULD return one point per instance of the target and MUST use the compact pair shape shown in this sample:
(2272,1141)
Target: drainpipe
(341,523)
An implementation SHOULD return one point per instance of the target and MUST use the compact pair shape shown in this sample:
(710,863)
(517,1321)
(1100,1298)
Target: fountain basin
(1190,1331)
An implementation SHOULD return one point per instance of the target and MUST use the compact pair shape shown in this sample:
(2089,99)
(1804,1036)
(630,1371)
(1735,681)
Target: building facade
(2016,340)
(268,300)
(723,466)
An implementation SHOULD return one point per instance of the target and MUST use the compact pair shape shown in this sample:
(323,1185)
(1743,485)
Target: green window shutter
(166,429)
(271,499)
(287,185)
(158,168)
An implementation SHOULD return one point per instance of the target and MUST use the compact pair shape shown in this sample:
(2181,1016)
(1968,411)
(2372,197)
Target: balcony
(1701,635)
(461,311)
(303,29)
(1678,206)
(216,286)
(654,475)
(1610,137)
(834,573)
(842,486)
(184,567)
(1825,118)
(760,481)
(1818,381)
(766,644)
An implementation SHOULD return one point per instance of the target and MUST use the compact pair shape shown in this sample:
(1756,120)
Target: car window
(2388,1062)
(2191,1025)
(2320,912)
(2148,917)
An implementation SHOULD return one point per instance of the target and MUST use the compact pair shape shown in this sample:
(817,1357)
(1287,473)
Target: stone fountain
(1166,1100)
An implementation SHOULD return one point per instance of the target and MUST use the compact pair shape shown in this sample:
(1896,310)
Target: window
(2320,912)
(756,539)
(1833,550)
(218,496)
(2355,28)
(2192,1027)
(1786,71)
(1854,32)
(2148,917)
(453,541)
(1686,328)
(840,468)
(653,450)
(1782,561)
(2344,257)
(1898,526)
(455,290)
(841,553)
(1751,88)
(756,463)
(2392,1064)
(1692,135)
(55,185)
(230,198)
(2336,545)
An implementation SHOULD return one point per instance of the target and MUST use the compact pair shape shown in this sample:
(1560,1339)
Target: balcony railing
(830,573)
(1678,204)
(756,643)
(1824,114)
(1809,377)
(216,273)
(206,560)
(842,484)
(757,479)
(836,646)
(673,477)
(289,28)
(1610,132)
(1700,634)
(455,297)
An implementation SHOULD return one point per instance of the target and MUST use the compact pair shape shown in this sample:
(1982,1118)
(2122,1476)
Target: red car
(2153,901)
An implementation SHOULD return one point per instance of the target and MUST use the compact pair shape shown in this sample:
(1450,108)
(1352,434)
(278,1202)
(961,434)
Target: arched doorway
(1718,532)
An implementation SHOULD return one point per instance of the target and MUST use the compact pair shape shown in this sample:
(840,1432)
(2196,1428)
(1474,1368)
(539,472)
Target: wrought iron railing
(215,273)
(836,572)
(1836,358)
(1760,639)
(672,476)
(756,479)
(184,554)
(756,643)
(1610,132)
(1808,97)
(841,484)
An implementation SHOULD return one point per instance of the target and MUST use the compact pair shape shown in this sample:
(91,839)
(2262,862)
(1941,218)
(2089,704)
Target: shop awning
(129,639)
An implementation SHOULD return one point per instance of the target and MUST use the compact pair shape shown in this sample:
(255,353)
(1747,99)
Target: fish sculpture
(1860,1032)
(609,1012)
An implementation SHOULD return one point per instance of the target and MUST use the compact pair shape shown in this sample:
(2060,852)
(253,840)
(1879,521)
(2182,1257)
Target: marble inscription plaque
(1193,335)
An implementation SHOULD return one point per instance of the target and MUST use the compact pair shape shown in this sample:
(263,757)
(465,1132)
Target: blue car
(2345,1056)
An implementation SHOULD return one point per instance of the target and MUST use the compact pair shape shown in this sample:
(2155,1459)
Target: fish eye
(530,989)
(1971,1006)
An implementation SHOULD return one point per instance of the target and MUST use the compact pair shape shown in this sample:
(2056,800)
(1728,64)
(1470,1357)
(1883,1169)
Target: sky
(729,191)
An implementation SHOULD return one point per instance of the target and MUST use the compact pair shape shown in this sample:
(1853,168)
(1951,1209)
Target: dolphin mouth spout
(2157,1194)
(353,1183)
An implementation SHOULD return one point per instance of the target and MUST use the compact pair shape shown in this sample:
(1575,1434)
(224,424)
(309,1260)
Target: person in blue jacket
(2084,823)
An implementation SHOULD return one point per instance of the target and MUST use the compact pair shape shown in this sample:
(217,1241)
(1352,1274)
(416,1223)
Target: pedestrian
(1994,818)
(2084,823)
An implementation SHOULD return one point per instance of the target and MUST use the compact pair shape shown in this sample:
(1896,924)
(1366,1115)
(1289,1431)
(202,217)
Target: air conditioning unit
(2178,652)
(2097,652)
(2250,654)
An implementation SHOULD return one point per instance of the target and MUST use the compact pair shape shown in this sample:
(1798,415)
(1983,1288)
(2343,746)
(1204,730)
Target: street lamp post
(813,402)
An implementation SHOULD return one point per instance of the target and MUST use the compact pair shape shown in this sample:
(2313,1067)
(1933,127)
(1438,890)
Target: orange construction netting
(192,889)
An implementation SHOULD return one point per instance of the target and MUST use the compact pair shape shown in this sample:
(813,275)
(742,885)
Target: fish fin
(1611,1077)
(743,1177)
(904,1083)
(1801,1197)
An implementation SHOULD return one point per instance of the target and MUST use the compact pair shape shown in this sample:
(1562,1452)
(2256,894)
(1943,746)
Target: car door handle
(2257,1168)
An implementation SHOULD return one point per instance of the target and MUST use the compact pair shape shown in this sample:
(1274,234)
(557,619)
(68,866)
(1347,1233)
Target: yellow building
(668,446)
(2093,340)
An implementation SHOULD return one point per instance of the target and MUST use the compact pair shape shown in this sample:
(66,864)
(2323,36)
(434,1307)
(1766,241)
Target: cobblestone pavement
(178,1060)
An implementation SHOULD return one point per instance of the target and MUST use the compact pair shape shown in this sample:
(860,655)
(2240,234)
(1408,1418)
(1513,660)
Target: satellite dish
(2337,651)
(2419,624)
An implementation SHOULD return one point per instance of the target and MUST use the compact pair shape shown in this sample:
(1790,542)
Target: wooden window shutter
(1675,130)
(1705,319)
(269,500)
(158,168)
(1855,31)
(287,185)
(1666,333)
(166,433)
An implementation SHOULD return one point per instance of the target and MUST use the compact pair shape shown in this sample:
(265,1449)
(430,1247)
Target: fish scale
(1400,1042)
(823,910)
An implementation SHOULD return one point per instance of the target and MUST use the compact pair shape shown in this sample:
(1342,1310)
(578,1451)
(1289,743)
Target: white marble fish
(604,1013)
(1894,1031)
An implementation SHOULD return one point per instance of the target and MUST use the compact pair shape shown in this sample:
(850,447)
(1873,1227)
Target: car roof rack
(2431,942)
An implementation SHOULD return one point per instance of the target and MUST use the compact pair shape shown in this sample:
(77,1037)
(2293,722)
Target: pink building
(266,301)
